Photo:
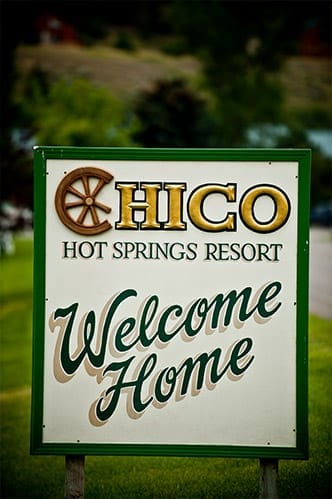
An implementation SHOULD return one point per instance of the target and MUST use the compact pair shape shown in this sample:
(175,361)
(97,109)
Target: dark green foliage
(172,115)
(75,112)
(321,179)
(321,166)
(125,41)
(16,173)
(239,52)
(241,46)
(250,98)
(315,118)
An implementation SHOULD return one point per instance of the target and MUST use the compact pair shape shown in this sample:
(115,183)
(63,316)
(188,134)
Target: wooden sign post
(171,285)
(74,477)
(268,479)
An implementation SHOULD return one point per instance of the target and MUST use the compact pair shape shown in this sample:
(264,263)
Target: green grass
(25,476)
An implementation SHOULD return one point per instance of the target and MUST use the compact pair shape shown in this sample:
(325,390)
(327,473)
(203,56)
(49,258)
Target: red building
(53,29)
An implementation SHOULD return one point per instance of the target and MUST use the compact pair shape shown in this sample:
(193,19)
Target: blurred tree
(16,174)
(242,45)
(321,168)
(172,115)
(66,113)
(75,113)
(321,179)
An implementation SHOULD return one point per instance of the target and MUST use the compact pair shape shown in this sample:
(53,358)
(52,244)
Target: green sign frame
(44,153)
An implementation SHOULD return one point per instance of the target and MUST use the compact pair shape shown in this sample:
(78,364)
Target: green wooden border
(38,298)
(303,157)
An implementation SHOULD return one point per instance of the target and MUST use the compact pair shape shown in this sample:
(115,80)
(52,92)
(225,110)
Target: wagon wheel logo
(76,203)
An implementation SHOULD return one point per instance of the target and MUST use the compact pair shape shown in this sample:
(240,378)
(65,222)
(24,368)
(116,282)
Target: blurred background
(163,74)
(160,74)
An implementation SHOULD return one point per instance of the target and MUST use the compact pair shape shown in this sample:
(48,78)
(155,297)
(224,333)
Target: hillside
(124,73)
(307,81)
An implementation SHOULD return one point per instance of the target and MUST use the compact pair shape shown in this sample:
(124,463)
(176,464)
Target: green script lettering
(89,340)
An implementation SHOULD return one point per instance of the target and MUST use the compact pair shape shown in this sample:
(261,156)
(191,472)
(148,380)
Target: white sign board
(167,302)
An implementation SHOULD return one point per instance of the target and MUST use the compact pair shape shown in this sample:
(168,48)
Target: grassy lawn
(25,476)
